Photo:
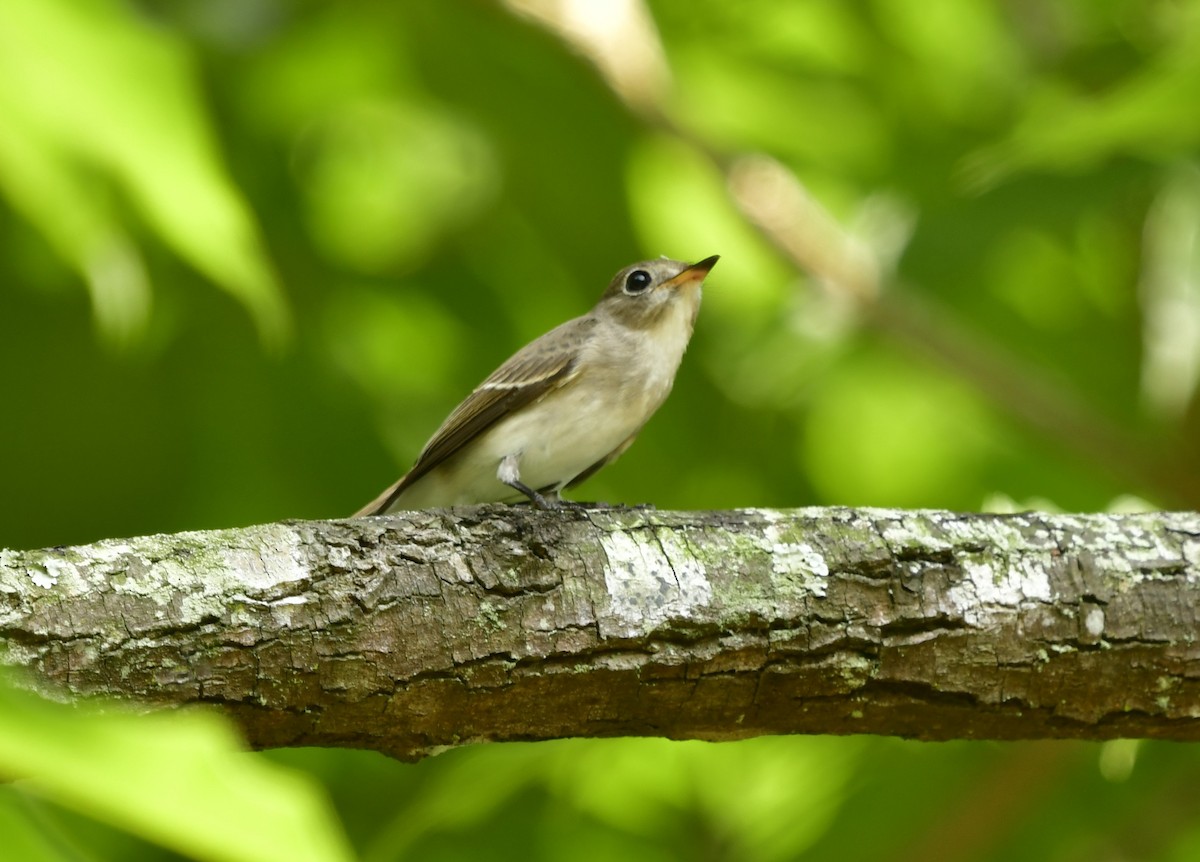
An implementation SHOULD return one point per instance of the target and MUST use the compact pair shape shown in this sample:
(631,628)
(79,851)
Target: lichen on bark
(411,632)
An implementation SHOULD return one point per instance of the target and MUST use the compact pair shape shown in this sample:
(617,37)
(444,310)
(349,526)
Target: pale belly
(555,440)
(572,428)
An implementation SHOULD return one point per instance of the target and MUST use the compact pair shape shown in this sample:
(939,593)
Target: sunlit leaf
(1142,114)
(23,840)
(122,109)
(176,778)
(58,197)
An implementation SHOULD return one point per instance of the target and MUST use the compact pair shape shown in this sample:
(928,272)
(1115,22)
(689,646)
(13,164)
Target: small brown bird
(564,405)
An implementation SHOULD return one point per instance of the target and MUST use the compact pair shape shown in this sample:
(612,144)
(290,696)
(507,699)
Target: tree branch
(412,632)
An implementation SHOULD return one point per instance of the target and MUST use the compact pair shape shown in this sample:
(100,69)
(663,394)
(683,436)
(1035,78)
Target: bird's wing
(530,374)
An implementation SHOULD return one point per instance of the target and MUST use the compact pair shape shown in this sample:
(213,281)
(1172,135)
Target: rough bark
(413,632)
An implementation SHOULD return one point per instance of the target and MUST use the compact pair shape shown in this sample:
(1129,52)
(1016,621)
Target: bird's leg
(510,474)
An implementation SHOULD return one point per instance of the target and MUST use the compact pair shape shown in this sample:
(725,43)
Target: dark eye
(637,281)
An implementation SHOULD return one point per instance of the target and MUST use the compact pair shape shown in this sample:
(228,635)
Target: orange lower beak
(694,274)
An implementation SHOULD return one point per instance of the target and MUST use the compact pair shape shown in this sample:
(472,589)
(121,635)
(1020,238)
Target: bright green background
(252,251)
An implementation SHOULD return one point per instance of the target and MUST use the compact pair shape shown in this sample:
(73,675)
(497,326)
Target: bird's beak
(694,274)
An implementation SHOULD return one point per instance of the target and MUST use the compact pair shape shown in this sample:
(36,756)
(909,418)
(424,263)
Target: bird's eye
(637,281)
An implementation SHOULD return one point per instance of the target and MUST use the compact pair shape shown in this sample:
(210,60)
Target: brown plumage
(565,405)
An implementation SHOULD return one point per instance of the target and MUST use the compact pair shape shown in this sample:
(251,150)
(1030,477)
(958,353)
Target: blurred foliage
(168,777)
(391,197)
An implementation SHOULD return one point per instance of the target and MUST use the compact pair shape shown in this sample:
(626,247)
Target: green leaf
(22,839)
(125,112)
(176,778)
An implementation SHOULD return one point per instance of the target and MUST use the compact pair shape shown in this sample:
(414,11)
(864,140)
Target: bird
(565,405)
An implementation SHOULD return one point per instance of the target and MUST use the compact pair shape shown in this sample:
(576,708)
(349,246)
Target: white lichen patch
(908,532)
(1033,576)
(799,561)
(274,558)
(110,552)
(1191,551)
(990,584)
(1022,579)
(1093,621)
(650,578)
(1001,536)
(264,559)
(43,579)
(798,558)
(978,570)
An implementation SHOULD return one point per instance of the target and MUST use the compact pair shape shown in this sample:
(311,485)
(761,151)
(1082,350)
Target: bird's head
(641,293)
